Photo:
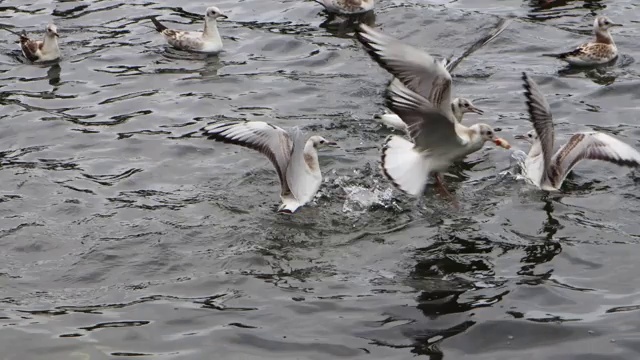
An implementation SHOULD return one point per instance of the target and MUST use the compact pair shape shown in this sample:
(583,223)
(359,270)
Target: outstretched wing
(541,119)
(417,70)
(427,126)
(499,28)
(591,146)
(270,140)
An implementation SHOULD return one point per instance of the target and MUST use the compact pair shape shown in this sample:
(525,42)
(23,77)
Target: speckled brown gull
(546,170)
(208,41)
(295,159)
(600,51)
(347,7)
(41,50)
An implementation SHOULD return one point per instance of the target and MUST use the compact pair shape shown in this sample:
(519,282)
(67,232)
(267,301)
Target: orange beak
(502,143)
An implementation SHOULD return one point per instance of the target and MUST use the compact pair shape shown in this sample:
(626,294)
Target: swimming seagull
(600,51)
(208,41)
(460,106)
(39,51)
(295,160)
(347,7)
(548,171)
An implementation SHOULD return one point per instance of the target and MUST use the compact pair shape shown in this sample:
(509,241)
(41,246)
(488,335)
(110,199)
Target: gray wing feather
(302,185)
(542,121)
(428,127)
(270,140)
(419,71)
(498,29)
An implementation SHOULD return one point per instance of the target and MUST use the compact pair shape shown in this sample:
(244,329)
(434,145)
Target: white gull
(460,106)
(295,159)
(208,41)
(438,138)
(547,170)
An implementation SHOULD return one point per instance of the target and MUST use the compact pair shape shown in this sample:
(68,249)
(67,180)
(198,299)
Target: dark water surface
(124,233)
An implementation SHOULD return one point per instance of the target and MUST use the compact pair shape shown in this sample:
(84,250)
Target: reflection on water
(126,233)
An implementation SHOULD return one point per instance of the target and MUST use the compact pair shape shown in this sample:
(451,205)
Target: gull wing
(300,176)
(591,146)
(272,141)
(542,121)
(499,28)
(428,127)
(419,71)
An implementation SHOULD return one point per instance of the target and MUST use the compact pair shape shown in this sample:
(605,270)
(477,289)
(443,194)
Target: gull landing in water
(208,41)
(39,51)
(438,138)
(547,170)
(598,52)
(459,106)
(347,7)
(295,159)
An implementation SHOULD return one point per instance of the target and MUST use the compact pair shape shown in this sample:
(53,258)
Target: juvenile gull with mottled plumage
(546,170)
(41,50)
(208,41)
(347,7)
(295,160)
(601,51)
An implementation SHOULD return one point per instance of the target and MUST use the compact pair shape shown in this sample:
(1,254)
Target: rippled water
(124,233)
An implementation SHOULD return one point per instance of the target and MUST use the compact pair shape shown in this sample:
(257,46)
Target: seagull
(208,41)
(548,171)
(600,51)
(347,7)
(438,138)
(295,160)
(460,106)
(39,51)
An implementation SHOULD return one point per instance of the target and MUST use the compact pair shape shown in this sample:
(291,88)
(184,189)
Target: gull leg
(445,192)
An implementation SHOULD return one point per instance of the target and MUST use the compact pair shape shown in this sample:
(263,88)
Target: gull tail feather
(158,25)
(404,166)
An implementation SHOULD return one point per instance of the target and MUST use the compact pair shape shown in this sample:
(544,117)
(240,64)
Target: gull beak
(474,109)
(332,144)
(520,137)
(223,16)
(615,25)
(56,34)
(502,143)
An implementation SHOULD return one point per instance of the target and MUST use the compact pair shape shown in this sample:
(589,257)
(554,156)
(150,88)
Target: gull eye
(489,133)
(529,135)
(322,141)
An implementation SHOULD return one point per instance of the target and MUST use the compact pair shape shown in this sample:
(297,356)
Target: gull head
(603,23)
(530,137)
(213,13)
(488,134)
(466,106)
(319,142)
(52,30)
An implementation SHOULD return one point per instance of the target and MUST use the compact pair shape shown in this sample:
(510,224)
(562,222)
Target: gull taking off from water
(600,51)
(208,41)
(459,106)
(547,170)
(39,51)
(295,159)
(347,7)
(438,138)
